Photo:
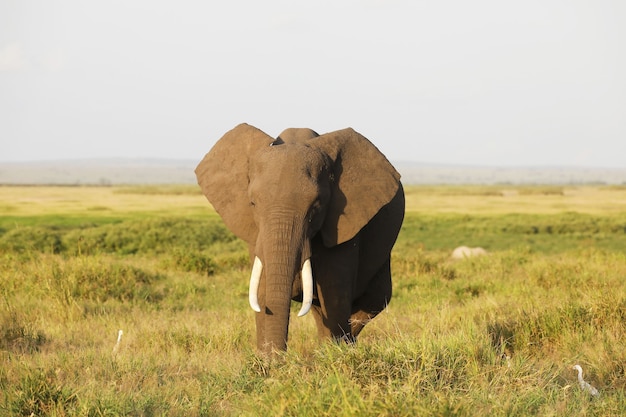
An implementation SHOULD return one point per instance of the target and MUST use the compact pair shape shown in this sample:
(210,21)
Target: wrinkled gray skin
(333,199)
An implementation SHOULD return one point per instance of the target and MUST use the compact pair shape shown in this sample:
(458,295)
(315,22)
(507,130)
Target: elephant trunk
(281,253)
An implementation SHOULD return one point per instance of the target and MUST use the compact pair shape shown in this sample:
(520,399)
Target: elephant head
(280,194)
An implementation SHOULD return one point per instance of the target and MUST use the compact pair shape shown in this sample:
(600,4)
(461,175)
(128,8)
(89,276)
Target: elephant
(320,215)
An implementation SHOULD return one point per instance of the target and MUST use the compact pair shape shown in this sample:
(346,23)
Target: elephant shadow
(339,200)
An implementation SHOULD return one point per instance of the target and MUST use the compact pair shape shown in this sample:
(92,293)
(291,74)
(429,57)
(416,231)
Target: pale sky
(481,82)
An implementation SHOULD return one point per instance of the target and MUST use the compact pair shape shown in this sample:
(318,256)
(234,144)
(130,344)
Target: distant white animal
(463,252)
(119,339)
(584,385)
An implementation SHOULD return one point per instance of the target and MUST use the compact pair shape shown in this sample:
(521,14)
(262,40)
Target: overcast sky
(500,83)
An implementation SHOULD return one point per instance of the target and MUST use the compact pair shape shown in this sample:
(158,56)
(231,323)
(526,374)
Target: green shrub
(190,261)
(32,238)
(99,280)
(144,236)
(155,235)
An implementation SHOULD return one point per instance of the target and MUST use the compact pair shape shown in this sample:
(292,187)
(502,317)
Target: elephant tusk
(307,288)
(255,279)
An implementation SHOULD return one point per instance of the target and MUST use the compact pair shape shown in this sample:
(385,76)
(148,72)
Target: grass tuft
(18,334)
(39,393)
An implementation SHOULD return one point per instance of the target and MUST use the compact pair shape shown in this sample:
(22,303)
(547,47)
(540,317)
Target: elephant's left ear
(364,181)
(223,176)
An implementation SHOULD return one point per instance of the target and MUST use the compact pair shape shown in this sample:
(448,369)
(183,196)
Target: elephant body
(320,214)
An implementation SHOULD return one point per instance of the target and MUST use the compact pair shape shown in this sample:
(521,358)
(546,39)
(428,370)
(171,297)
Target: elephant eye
(252,203)
(315,208)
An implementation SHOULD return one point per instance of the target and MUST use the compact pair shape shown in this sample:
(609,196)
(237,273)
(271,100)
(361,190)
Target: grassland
(492,335)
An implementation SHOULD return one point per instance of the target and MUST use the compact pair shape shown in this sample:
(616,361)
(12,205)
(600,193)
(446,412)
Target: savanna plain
(493,335)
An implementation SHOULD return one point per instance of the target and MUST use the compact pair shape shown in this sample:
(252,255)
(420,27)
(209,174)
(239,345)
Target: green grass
(548,233)
(493,335)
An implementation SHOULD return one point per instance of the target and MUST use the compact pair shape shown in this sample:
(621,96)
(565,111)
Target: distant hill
(99,172)
(164,171)
(418,173)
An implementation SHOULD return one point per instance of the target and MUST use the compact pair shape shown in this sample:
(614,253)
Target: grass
(491,335)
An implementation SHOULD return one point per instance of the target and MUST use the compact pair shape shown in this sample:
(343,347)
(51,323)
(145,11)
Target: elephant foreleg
(373,301)
(328,327)
(334,271)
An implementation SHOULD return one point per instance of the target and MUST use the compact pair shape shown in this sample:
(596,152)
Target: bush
(32,238)
(147,236)
(98,280)
(190,261)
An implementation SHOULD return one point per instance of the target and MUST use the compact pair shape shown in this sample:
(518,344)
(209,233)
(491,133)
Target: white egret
(584,385)
(119,339)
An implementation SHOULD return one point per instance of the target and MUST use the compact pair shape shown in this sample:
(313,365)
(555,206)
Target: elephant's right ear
(223,178)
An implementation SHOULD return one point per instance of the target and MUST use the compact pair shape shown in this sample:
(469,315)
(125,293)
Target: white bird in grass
(119,339)
(584,385)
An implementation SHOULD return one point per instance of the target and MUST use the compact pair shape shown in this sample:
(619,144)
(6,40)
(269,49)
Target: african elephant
(320,214)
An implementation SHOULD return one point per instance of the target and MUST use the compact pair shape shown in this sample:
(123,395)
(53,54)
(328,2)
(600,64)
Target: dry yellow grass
(25,201)
(498,200)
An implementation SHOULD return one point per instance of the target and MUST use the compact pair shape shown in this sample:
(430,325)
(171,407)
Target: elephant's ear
(363,182)
(223,177)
